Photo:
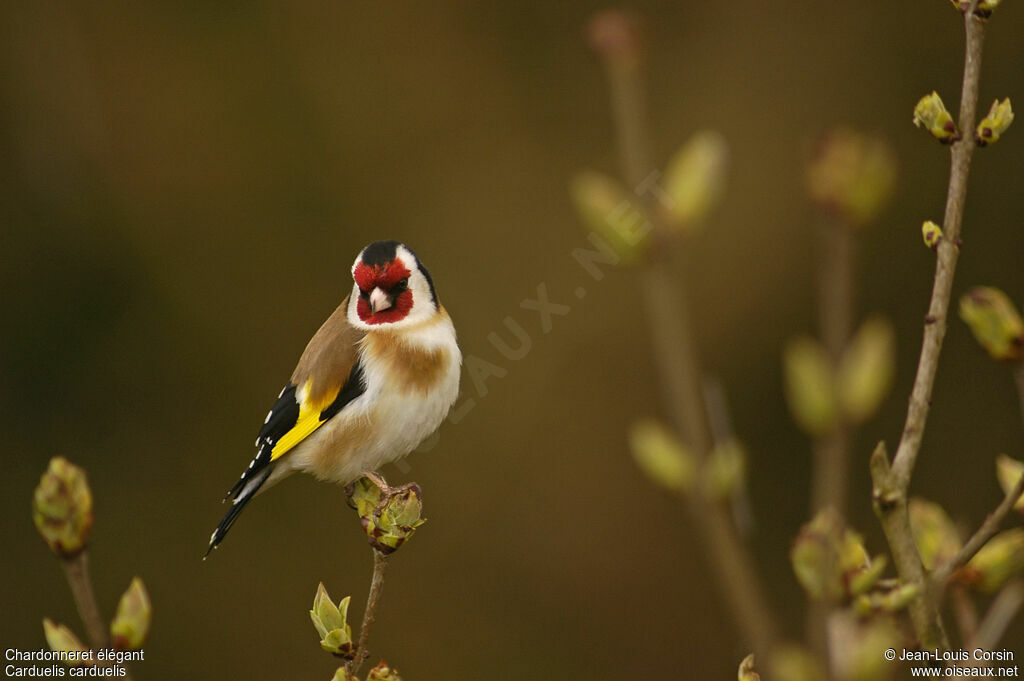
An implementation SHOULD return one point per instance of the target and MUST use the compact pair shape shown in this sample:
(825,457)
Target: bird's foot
(387,492)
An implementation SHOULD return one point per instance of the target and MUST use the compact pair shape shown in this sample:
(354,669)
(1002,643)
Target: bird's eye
(365,295)
(402,284)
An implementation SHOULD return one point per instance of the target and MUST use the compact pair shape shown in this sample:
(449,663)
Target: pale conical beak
(379,300)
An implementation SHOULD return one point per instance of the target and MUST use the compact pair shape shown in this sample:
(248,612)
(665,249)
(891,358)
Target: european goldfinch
(377,378)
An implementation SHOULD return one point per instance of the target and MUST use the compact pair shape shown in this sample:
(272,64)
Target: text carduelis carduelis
(377,378)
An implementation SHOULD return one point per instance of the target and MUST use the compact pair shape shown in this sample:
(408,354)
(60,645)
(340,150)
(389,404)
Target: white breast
(388,420)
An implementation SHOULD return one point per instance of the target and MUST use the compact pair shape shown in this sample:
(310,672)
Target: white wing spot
(269,414)
(252,463)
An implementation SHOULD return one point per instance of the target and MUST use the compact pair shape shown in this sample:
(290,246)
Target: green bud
(63,640)
(994,321)
(661,456)
(935,534)
(725,471)
(810,389)
(997,561)
(130,627)
(853,175)
(931,114)
(858,646)
(791,662)
(866,369)
(891,601)
(62,508)
(900,597)
(931,233)
(1008,472)
(984,10)
(382,672)
(395,520)
(863,580)
(695,181)
(331,622)
(343,674)
(866,604)
(829,559)
(364,496)
(746,671)
(607,209)
(995,123)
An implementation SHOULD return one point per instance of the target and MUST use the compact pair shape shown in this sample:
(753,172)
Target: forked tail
(242,494)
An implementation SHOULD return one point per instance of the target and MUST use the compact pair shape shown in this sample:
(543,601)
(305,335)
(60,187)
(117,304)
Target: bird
(376,379)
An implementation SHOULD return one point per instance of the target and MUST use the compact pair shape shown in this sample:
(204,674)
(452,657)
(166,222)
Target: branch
(835,307)
(616,38)
(966,615)
(77,571)
(380,564)
(948,252)
(1018,375)
(999,616)
(891,483)
(978,539)
(890,502)
(830,471)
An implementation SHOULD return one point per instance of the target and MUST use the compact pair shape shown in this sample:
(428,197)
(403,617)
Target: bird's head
(392,288)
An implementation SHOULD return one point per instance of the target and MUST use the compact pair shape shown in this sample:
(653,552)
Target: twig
(978,539)
(891,482)
(966,615)
(77,571)
(721,432)
(380,564)
(1018,375)
(890,504)
(948,252)
(674,350)
(1002,611)
(835,309)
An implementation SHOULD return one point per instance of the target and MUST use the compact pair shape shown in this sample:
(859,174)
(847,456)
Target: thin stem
(380,564)
(1018,375)
(676,356)
(891,482)
(890,502)
(77,571)
(980,537)
(966,615)
(835,310)
(722,432)
(836,279)
(999,616)
(830,472)
(948,253)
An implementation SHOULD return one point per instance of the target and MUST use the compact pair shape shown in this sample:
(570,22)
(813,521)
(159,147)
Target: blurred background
(185,185)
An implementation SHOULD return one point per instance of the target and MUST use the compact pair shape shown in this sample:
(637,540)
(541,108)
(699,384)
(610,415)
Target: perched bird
(377,378)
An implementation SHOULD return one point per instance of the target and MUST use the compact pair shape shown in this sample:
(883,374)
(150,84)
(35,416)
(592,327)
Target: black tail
(242,496)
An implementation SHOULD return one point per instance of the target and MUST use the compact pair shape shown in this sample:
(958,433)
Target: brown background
(185,184)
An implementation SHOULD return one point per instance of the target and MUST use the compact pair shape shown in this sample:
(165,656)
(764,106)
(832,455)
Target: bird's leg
(378,480)
(387,491)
